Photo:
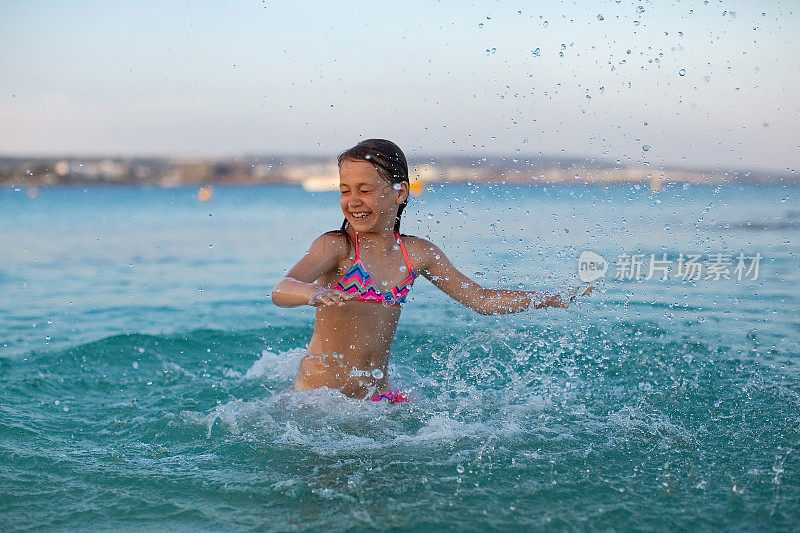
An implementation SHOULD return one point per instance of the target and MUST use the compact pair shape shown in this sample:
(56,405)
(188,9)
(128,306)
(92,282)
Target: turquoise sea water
(146,377)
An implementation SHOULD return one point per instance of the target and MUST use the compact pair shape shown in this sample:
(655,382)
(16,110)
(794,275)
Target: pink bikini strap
(357,257)
(405,254)
(402,249)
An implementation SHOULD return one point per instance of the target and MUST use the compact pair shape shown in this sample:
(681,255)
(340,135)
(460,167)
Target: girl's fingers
(331,297)
(345,296)
(337,298)
(586,292)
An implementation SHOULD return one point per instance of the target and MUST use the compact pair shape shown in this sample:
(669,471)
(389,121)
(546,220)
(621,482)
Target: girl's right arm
(437,268)
(298,287)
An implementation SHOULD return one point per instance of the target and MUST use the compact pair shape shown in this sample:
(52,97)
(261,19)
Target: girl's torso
(349,349)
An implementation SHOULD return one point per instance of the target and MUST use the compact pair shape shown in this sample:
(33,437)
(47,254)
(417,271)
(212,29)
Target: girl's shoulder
(333,243)
(421,251)
(411,241)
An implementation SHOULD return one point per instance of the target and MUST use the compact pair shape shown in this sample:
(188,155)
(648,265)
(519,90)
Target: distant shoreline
(317,173)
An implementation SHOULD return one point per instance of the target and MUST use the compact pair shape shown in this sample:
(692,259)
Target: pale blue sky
(223,78)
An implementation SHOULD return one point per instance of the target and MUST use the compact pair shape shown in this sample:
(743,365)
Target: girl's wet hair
(389,162)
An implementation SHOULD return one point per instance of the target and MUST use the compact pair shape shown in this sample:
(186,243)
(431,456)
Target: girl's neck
(383,238)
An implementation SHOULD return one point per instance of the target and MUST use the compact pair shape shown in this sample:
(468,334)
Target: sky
(699,84)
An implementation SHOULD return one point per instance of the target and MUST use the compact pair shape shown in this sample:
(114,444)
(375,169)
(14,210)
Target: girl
(358,278)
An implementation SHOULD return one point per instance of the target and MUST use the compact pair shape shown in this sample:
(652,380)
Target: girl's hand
(324,296)
(562,301)
(575,291)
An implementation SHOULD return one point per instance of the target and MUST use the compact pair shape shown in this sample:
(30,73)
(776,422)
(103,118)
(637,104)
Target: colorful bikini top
(358,280)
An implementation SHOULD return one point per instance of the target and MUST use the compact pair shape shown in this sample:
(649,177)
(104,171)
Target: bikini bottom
(394,396)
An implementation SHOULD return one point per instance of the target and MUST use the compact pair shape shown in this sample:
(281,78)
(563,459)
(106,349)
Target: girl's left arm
(438,268)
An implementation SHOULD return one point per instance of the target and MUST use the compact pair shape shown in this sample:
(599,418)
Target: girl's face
(368,201)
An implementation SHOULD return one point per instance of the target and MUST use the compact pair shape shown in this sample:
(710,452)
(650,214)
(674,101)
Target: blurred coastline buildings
(317,173)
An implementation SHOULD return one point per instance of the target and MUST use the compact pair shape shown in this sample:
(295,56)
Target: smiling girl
(358,278)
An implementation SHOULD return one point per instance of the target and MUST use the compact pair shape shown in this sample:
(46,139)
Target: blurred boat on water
(321,183)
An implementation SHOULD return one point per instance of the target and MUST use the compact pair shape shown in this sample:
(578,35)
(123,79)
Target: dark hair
(389,161)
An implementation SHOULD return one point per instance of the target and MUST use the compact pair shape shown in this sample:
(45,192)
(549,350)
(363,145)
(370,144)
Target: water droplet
(396,186)
(537,52)
(460,469)
(682,72)
(577,176)
(135,365)
(646,147)
(480,24)
(430,216)
(377,373)
(600,16)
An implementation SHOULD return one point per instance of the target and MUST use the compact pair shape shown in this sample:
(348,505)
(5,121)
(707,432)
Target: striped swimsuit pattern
(358,280)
